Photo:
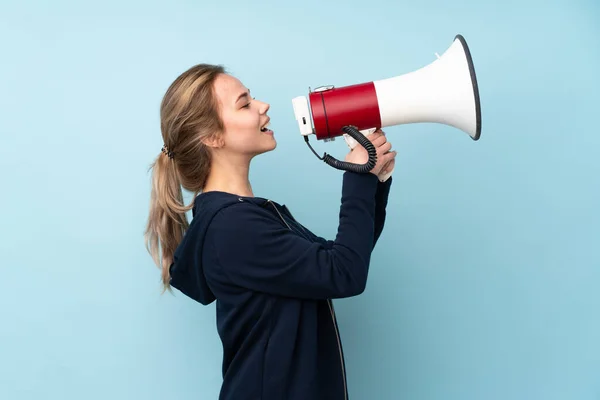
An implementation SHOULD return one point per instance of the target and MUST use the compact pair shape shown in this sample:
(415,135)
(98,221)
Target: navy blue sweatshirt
(273,280)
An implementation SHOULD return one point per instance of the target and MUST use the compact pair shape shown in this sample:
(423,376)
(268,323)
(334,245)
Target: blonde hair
(189,113)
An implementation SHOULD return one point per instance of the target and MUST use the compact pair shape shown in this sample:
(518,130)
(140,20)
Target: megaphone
(444,92)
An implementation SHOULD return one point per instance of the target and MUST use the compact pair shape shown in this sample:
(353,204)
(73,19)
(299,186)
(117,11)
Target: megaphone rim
(471,65)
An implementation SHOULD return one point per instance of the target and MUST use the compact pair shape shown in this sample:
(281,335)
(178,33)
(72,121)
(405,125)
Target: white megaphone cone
(444,92)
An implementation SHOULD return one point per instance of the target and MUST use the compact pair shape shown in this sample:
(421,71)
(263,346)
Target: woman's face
(244,119)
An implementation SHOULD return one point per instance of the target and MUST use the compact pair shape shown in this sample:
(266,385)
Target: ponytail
(167,220)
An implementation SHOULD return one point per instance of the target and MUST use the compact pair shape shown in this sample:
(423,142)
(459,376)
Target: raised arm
(255,250)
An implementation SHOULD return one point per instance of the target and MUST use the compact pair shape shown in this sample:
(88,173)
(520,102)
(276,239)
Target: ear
(215,141)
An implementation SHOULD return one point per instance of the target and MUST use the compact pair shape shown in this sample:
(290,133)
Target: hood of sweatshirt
(187,273)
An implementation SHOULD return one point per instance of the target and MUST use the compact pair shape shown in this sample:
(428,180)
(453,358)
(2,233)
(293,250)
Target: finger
(391,156)
(386,166)
(375,136)
(387,158)
(384,148)
(379,141)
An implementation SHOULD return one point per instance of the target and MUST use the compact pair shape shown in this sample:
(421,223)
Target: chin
(271,146)
(265,145)
(266,149)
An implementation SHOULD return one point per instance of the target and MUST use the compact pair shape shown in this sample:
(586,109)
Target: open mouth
(265,128)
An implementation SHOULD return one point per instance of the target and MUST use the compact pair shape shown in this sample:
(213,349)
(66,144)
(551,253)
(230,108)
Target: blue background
(484,284)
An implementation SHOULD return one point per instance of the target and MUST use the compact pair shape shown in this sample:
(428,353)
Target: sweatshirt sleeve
(256,250)
(381,201)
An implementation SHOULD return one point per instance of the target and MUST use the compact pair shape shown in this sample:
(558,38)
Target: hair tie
(166,150)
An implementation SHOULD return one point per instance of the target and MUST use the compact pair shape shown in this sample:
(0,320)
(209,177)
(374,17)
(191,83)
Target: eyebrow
(242,96)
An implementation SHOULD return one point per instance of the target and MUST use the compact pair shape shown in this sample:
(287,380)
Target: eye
(247,105)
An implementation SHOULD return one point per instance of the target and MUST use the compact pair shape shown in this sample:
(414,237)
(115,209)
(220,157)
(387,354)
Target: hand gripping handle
(352,144)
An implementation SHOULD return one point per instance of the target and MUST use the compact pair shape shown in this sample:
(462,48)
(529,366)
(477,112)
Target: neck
(230,176)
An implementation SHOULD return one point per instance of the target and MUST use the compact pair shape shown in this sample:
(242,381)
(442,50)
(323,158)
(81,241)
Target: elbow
(358,289)
(361,285)
(358,279)
(351,272)
(362,274)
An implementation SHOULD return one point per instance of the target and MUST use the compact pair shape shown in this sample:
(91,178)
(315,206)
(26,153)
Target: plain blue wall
(484,284)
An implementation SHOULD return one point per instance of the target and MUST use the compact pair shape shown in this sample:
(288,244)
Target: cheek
(242,137)
(241,131)
(242,123)
(239,140)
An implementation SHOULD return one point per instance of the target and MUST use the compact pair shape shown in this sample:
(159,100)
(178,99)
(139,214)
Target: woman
(272,279)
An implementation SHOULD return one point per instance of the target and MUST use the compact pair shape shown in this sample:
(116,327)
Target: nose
(265,107)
